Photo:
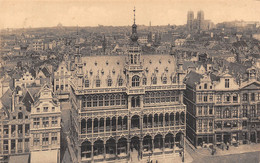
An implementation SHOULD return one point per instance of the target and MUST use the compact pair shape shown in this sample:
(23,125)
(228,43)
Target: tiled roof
(106,67)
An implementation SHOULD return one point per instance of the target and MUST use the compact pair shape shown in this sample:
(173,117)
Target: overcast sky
(47,13)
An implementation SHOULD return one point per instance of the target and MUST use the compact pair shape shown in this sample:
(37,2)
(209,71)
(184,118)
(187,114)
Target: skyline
(45,13)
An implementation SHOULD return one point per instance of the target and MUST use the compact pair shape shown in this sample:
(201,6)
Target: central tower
(134,50)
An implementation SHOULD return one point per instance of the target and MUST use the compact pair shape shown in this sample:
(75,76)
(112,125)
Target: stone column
(92,152)
(152,145)
(116,149)
(104,150)
(128,149)
(141,147)
(163,140)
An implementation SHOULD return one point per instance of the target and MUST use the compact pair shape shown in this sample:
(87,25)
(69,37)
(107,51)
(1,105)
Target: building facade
(222,110)
(125,103)
(24,118)
(61,81)
(45,125)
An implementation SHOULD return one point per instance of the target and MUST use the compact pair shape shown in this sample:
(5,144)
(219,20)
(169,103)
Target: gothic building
(125,103)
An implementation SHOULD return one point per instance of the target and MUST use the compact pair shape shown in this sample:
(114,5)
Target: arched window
(120,82)
(135,81)
(98,83)
(86,83)
(135,59)
(109,82)
(205,86)
(154,80)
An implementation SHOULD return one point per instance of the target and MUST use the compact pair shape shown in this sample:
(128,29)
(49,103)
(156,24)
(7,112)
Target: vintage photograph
(129,81)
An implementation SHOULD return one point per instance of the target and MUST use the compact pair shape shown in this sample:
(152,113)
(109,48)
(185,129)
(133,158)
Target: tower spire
(134,15)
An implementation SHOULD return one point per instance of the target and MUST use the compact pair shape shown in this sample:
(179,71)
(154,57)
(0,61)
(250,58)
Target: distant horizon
(90,13)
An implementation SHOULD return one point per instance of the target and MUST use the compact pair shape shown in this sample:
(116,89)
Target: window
(227,98)
(226,113)
(210,124)
(45,139)
(205,126)
(123,100)
(244,110)
(165,80)
(112,100)
(45,121)
(200,110)
(86,83)
(144,81)
(106,100)
(219,98)
(253,111)
(100,100)
(235,113)
(20,115)
(235,99)
(244,123)
(135,81)
(36,139)
(258,96)
(200,124)
(226,83)
(117,99)
(200,97)
(154,80)
(205,86)
(89,104)
(245,96)
(211,110)
(95,101)
(109,82)
(120,82)
(252,96)
(45,109)
(205,98)
(54,138)
(36,122)
(53,109)
(211,97)
(205,110)
(218,113)
(97,83)
(54,121)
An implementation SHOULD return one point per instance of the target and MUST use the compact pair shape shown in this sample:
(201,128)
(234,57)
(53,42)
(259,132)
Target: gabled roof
(252,85)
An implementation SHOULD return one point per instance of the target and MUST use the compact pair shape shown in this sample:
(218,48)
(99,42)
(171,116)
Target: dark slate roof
(46,72)
(193,78)
(6,99)
(188,64)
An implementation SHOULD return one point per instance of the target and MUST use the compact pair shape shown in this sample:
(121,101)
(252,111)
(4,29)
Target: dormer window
(169,61)
(205,86)
(91,72)
(98,83)
(120,82)
(109,82)
(95,63)
(226,83)
(117,62)
(102,72)
(86,83)
(106,62)
(166,69)
(150,61)
(113,71)
(156,69)
(154,80)
(164,80)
